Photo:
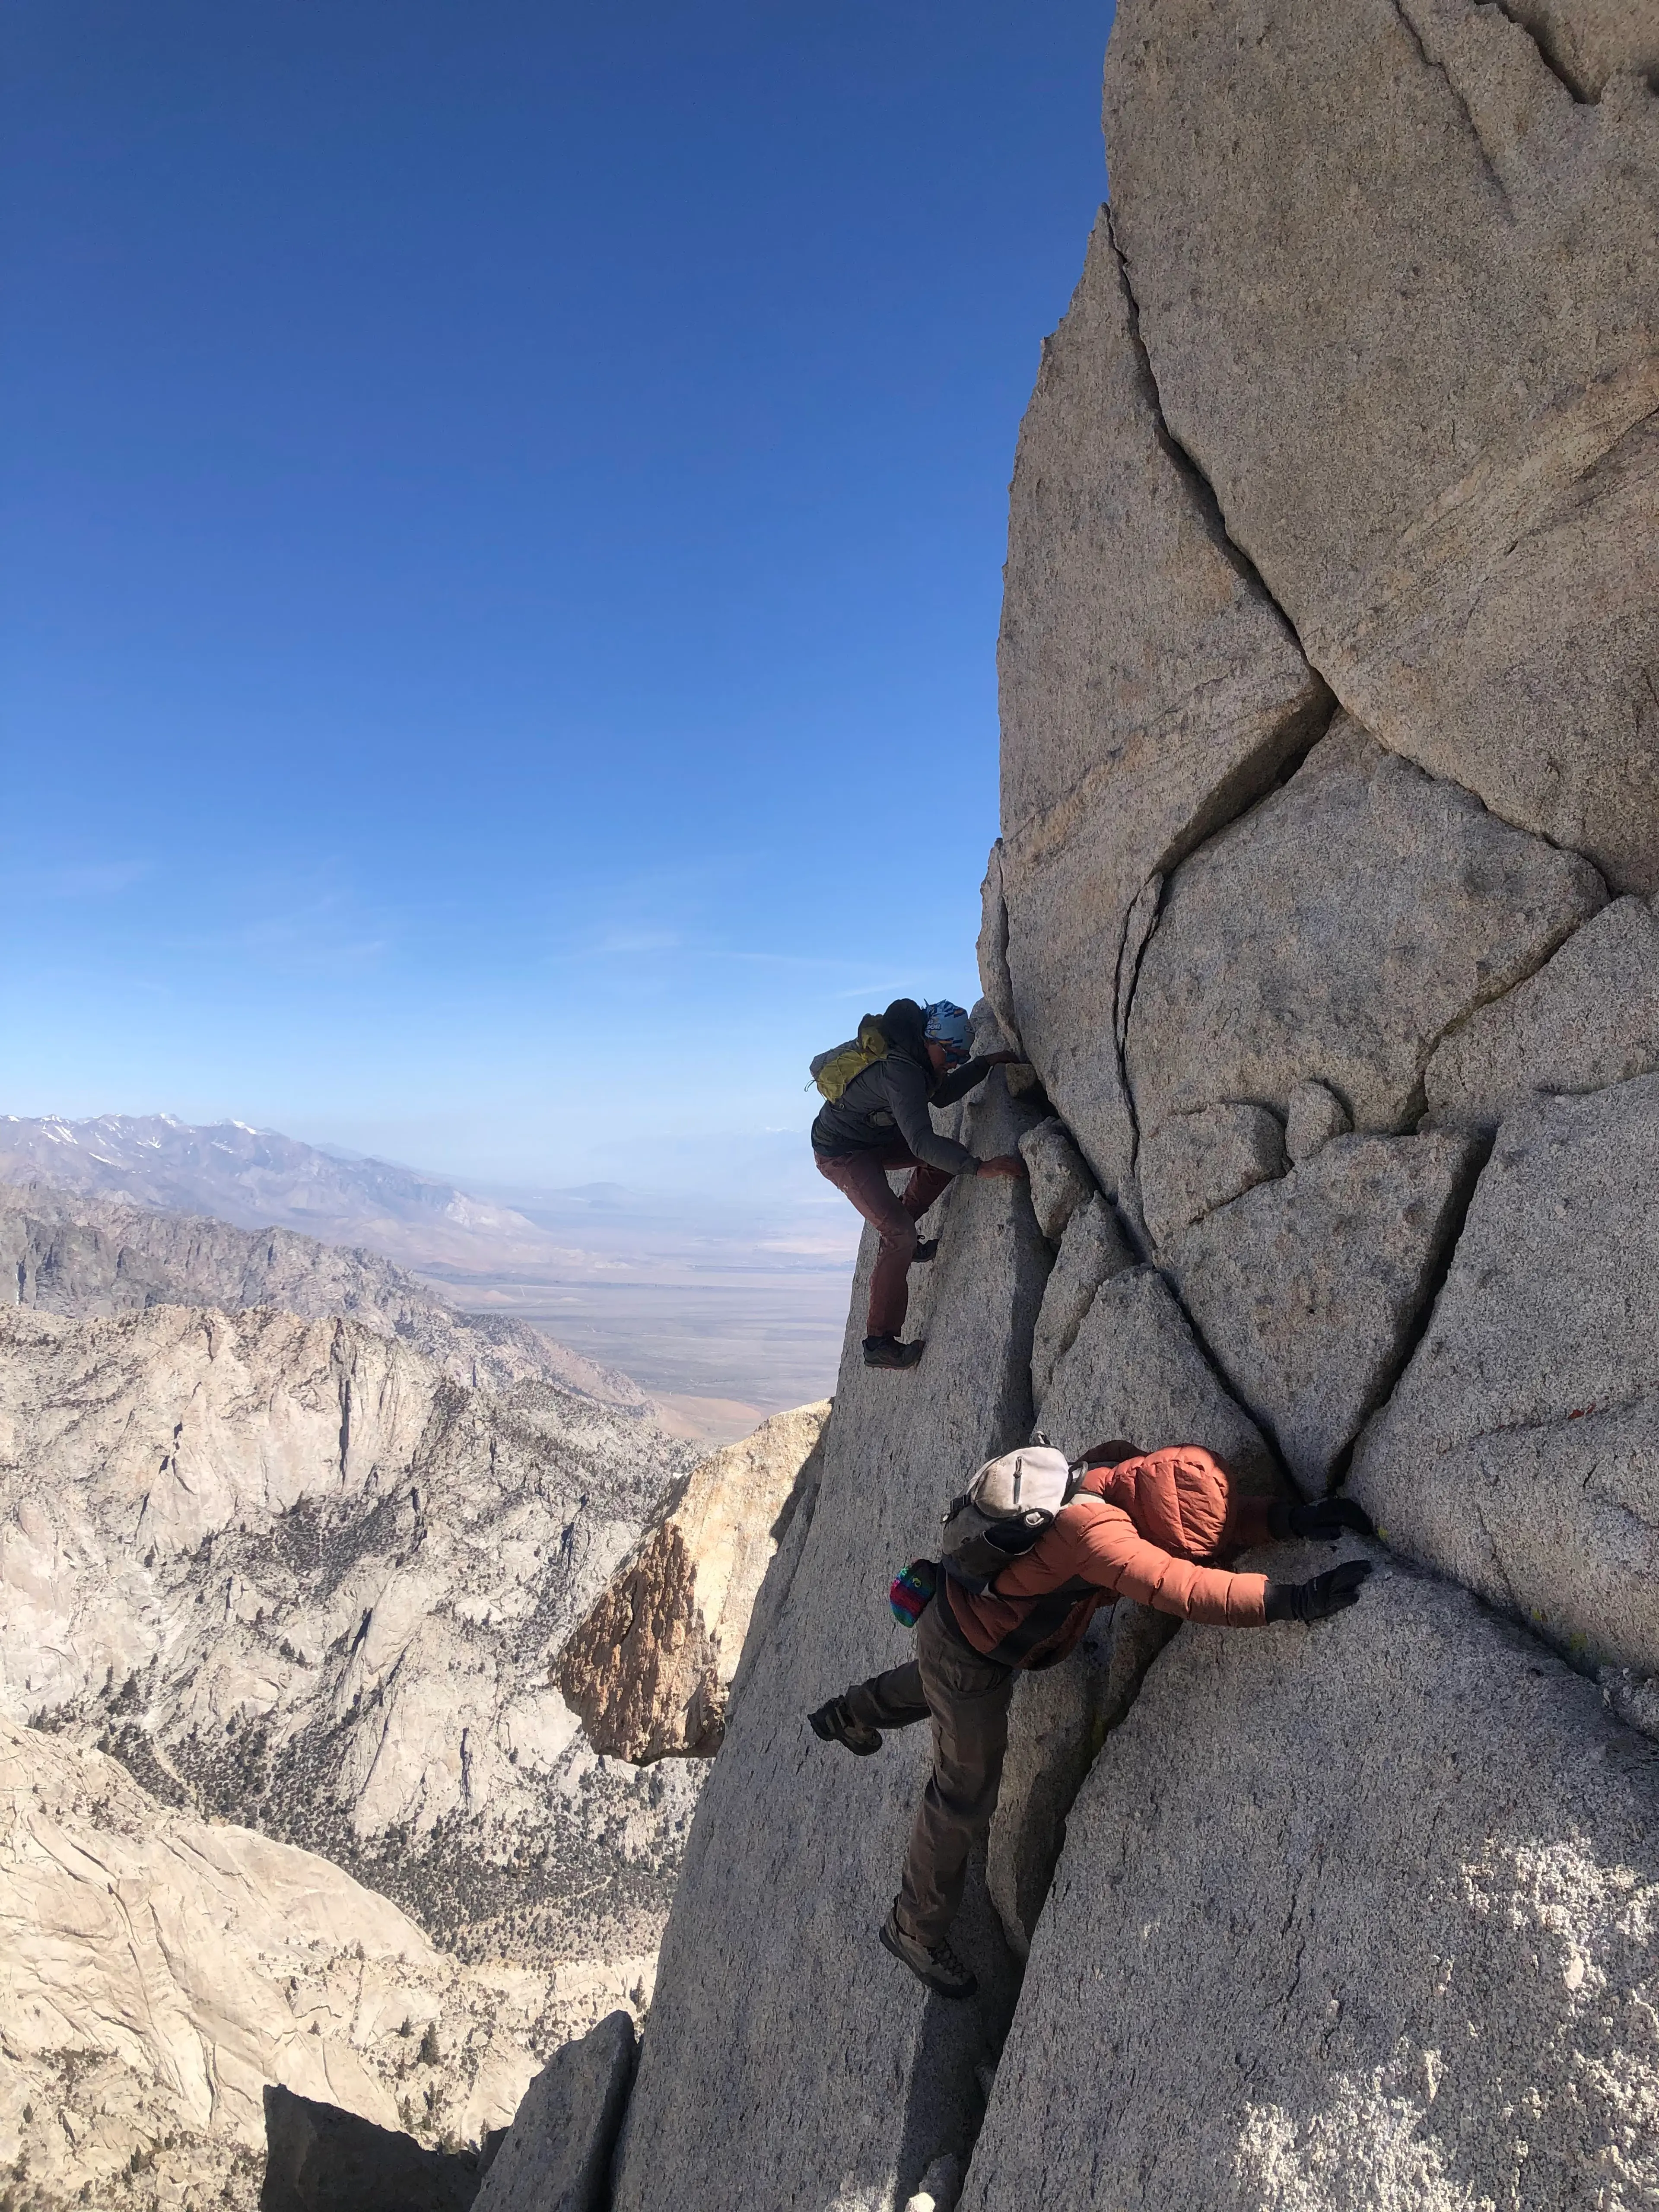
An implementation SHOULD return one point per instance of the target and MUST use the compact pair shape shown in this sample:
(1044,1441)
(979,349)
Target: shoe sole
(952,1995)
(825,1733)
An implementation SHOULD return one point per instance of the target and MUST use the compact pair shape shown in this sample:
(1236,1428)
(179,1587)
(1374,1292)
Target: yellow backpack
(833,1069)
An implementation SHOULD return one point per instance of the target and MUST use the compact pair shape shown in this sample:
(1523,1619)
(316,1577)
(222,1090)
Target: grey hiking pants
(966,1698)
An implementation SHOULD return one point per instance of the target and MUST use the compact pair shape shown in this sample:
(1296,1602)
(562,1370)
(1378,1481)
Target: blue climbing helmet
(947,1024)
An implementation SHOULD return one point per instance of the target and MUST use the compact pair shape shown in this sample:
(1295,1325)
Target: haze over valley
(722,1310)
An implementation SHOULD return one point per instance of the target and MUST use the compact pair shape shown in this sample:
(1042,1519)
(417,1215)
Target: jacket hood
(1180,1498)
(904,1025)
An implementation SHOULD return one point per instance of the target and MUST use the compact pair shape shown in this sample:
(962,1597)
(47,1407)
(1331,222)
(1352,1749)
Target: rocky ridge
(87,1257)
(160,1970)
(1329,815)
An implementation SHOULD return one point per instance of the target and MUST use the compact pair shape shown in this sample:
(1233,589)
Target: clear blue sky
(504,513)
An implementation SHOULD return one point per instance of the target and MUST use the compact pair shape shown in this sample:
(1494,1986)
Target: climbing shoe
(926,1250)
(887,1352)
(835,1723)
(940,1968)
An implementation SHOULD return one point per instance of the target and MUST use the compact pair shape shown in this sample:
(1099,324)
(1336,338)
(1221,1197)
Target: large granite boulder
(650,1669)
(1193,1163)
(1357,1916)
(1308,1290)
(556,2155)
(1399,290)
(1518,1450)
(1135,1370)
(788,2060)
(1060,1177)
(1149,690)
(1093,1248)
(1589,1018)
(1335,933)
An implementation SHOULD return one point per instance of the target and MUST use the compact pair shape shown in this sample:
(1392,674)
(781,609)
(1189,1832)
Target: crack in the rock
(1412,1335)
(1441,70)
(1550,60)
(1417,1103)
(1182,460)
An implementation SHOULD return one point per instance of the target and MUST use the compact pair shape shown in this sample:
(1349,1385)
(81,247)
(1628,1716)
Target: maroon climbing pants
(862,1176)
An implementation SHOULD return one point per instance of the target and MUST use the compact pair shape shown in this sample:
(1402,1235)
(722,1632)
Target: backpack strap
(1045,1617)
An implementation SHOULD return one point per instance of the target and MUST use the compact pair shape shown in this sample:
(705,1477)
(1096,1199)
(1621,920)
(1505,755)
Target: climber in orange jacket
(1150,1526)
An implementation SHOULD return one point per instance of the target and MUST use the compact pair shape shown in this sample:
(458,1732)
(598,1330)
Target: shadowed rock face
(557,2157)
(650,1667)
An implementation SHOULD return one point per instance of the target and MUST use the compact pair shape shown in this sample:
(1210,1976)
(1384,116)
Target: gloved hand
(1319,1599)
(1326,1519)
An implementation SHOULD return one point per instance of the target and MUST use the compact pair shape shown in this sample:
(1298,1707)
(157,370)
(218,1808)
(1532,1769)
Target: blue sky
(504,512)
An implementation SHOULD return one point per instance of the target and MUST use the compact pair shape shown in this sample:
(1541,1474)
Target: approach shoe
(940,1968)
(926,1250)
(837,1723)
(887,1352)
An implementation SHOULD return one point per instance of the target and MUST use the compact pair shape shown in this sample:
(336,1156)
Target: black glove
(1319,1599)
(1326,1518)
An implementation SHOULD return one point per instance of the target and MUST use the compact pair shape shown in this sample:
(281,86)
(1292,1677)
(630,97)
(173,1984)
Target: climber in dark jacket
(882,1121)
(1157,1526)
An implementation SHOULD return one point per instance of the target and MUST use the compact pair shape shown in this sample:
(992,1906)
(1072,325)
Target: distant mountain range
(258,1178)
(721,1309)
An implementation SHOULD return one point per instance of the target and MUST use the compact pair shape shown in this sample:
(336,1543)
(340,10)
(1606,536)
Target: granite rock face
(556,2156)
(1060,1718)
(1149,690)
(1587,42)
(1588,1018)
(1518,1452)
(1093,1248)
(777,2011)
(1399,289)
(1355,1915)
(649,1669)
(1335,933)
(1312,1116)
(1193,1163)
(1135,1370)
(1307,1290)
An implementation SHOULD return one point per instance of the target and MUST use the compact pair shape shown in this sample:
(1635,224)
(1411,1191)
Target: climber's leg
(862,1178)
(893,1700)
(968,1698)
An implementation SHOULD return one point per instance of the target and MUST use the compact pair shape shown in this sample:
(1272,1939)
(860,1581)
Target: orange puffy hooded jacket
(1146,1528)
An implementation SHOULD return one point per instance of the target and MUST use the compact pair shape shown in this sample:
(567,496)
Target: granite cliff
(1330,817)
